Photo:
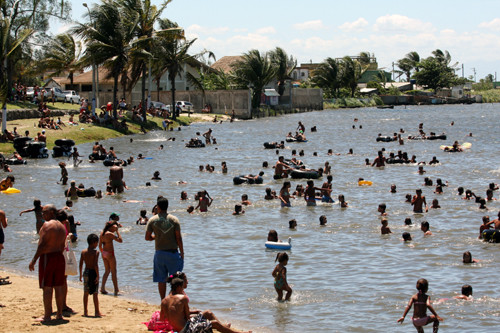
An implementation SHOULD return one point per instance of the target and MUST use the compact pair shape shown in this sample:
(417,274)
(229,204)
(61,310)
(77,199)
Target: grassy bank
(30,106)
(83,133)
(341,103)
(489,96)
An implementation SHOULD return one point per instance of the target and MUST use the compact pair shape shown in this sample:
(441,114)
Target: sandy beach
(22,303)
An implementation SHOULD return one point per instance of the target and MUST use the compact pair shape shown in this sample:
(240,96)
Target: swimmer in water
(421,302)
(384,229)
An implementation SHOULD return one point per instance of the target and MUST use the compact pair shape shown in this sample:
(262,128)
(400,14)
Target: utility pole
(462,71)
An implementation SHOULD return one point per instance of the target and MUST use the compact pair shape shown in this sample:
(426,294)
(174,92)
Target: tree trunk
(143,93)
(174,111)
(158,90)
(115,92)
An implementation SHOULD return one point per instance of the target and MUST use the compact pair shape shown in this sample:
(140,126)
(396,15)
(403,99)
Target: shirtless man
(418,201)
(379,161)
(310,193)
(52,265)
(208,135)
(496,222)
(280,169)
(95,148)
(111,153)
(204,201)
(175,309)
(116,178)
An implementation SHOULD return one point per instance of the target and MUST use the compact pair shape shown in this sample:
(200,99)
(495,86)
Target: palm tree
(62,56)
(9,44)
(108,41)
(145,15)
(284,67)
(350,73)
(254,70)
(172,53)
(326,76)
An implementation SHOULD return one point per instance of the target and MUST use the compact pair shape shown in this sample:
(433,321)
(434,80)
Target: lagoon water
(345,276)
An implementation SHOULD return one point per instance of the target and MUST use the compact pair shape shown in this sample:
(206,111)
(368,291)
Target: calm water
(345,276)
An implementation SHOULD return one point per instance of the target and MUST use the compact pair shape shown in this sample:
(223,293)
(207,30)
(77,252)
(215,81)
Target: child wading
(422,302)
(279,274)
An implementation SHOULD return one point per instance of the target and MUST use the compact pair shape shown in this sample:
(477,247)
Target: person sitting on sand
(175,310)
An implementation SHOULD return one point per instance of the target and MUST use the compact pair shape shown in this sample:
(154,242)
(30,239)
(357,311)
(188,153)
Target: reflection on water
(336,271)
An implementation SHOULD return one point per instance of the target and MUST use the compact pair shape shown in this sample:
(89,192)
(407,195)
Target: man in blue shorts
(165,230)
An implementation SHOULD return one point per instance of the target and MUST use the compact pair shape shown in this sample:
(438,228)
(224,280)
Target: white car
(161,106)
(71,96)
(59,96)
(185,106)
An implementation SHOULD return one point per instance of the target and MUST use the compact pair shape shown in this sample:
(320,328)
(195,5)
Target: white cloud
(492,25)
(357,25)
(198,29)
(266,30)
(310,25)
(399,23)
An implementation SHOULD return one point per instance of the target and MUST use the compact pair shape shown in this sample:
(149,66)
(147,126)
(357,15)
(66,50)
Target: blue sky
(316,29)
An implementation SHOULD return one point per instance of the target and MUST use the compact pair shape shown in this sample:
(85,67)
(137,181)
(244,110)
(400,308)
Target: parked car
(161,106)
(71,96)
(185,106)
(59,96)
(30,93)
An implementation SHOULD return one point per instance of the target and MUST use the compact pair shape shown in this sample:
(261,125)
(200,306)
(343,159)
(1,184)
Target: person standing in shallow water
(418,202)
(165,230)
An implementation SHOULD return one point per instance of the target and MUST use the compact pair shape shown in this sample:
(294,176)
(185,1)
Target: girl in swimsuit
(285,194)
(422,302)
(279,274)
(108,254)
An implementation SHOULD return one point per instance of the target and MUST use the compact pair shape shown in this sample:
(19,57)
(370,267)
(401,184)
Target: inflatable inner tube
(14,161)
(294,140)
(385,139)
(365,183)
(242,180)
(270,145)
(198,145)
(64,142)
(396,161)
(11,190)
(304,174)
(491,235)
(97,157)
(114,162)
(437,137)
(280,245)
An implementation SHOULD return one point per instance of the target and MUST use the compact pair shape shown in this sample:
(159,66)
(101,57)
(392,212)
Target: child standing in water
(422,302)
(279,274)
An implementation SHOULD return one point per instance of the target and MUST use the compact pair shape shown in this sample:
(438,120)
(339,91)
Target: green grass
(489,96)
(83,133)
(30,106)
(352,103)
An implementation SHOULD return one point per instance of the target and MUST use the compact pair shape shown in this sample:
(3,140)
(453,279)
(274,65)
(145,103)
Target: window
(302,74)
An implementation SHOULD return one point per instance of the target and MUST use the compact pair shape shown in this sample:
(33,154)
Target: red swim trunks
(51,270)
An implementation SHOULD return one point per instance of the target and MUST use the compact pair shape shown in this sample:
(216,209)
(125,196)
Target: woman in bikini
(285,194)
(109,234)
(422,302)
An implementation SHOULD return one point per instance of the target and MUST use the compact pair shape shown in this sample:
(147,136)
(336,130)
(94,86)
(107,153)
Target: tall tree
(326,76)
(62,56)
(284,67)
(108,40)
(145,15)
(409,63)
(434,74)
(172,49)
(350,73)
(254,70)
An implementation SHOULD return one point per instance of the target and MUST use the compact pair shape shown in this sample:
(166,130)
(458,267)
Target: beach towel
(157,325)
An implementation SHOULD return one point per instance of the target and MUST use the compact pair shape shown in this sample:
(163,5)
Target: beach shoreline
(22,303)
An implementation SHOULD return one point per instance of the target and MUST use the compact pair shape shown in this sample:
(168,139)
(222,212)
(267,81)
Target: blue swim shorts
(166,263)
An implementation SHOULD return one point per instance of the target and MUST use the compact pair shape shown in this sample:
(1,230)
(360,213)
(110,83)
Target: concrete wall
(307,99)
